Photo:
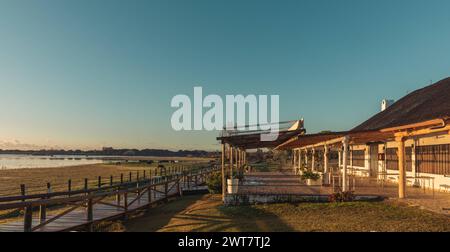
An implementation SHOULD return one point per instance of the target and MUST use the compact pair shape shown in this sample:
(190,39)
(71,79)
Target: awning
(252,139)
(319,139)
(309,139)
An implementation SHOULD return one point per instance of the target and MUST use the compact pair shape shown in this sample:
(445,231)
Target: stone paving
(286,182)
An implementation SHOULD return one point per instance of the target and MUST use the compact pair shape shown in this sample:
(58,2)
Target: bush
(214,183)
(342,197)
(310,175)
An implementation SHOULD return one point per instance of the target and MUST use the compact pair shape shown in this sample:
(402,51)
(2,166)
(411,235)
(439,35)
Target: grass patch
(206,214)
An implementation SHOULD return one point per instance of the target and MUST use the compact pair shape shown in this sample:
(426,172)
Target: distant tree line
(116,152)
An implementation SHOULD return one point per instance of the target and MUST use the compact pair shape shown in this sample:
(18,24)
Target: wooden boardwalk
(81,212)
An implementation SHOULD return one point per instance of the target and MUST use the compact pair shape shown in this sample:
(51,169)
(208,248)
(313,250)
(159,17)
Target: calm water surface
(28,161)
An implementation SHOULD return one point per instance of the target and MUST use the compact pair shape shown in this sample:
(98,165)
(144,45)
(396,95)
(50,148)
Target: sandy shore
(36,179)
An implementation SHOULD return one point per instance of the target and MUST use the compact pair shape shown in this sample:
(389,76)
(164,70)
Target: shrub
(342,197)
(310,175)
(214,183)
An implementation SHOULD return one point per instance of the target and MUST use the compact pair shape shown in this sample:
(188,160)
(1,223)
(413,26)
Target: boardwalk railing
(112,201)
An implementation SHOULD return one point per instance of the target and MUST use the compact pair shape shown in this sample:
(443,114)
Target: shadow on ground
(205,213)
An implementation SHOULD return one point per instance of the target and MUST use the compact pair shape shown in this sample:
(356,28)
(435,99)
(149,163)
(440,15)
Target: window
(358,158)
(392,159)
(433,159)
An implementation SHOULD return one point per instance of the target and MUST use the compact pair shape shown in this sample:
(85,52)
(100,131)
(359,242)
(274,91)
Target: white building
(407,142)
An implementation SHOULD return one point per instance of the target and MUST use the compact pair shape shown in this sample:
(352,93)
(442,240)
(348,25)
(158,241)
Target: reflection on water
(28,161)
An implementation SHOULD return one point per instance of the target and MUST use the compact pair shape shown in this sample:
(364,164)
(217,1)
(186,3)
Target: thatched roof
(431,102)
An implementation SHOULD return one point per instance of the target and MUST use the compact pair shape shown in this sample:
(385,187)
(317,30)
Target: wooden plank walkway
(103,208)
(77,219)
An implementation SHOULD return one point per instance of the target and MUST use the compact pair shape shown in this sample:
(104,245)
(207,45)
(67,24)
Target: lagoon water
(29,161)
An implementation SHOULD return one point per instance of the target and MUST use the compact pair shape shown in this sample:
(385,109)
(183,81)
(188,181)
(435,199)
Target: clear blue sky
(86,74)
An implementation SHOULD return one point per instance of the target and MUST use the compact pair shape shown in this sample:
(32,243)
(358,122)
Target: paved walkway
(282,182)
(286,182)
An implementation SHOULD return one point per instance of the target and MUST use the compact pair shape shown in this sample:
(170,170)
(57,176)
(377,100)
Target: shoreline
(84,160)
(36,179)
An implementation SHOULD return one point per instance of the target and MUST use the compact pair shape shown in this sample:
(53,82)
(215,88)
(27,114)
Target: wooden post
(325,166)
(294,159)
(401,167)
(189,179)
(111,180)
(344,164)
(28,215)
(351,158)
(99,181)
(149,194)
(121,178)
(313,160)
(22,191)
(223,173)
(69,186)
(86,186)
(125,204)
(231,161)
(43,207)
(118,196)
(90,209)
(299,159)
(339,159)
(138,192)
(238,159)
(28,219)
(130,177)
(180,192)
(90,213)
(166,192)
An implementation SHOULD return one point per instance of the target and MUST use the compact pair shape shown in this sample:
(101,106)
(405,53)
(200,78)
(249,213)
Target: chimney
(385,103)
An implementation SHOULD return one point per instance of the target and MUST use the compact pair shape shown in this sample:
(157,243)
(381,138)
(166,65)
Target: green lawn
(205,214)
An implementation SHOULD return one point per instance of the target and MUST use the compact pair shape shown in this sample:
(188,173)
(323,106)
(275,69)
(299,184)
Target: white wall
(419,141)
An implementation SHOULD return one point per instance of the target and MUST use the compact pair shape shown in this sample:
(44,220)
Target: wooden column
(236,153)
(351,157)
(223,172)
(313,160)
(326,173)
(339,159)
(231,162)
(28,219)
(240,159)
(344,164)
(306,157)
(401,167)
(299,159)
(413,159)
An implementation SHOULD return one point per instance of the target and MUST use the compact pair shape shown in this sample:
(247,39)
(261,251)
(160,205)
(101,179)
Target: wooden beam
(428,123)
(223,172)
(401,167)
(231,161)
(344,164)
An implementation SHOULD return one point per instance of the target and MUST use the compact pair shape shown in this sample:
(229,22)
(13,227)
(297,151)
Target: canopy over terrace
(235,142)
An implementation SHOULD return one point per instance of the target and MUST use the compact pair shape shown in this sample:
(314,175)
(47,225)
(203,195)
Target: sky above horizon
(86,74)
